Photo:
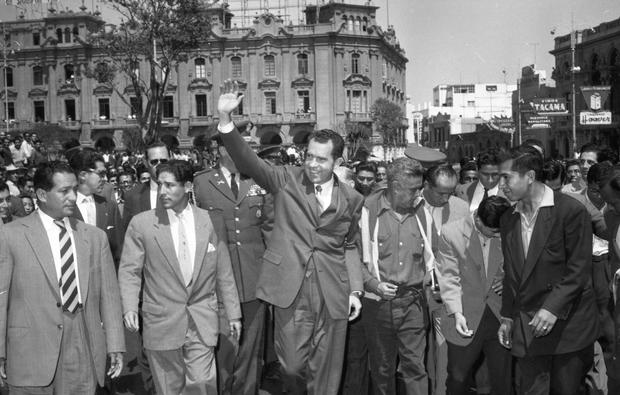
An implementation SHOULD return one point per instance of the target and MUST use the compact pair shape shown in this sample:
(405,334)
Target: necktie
(318,190)
(486,194)
(68,280)
(233,185)
(183,252)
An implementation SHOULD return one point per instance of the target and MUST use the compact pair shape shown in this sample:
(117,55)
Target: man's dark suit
(108,220)
(243,217)
(307,253)
(137,200)
(555,276)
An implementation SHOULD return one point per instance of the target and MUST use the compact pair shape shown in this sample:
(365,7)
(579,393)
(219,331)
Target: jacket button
(238,243)
(58,304)
(237,231)
(60,326)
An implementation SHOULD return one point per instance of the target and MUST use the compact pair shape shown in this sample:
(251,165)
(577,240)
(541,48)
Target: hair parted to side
(44,174)
(180,169)
(325,135)
(491,210)
(524,159)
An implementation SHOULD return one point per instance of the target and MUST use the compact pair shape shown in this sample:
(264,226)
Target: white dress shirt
(227,174)
(190,231)
(53,235)
(485,244)
(86,205)
(527,225)
(476,199)
(325,196)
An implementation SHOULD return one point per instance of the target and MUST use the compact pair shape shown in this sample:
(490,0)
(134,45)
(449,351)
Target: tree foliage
(387,119)
(155,33)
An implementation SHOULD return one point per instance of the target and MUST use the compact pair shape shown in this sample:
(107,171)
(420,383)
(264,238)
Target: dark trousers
(239,366)
(462,359)
(355,376)
(396,333)
(561,374)
(309,342)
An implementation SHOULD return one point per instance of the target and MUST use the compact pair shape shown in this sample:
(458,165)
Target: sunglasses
(155,162)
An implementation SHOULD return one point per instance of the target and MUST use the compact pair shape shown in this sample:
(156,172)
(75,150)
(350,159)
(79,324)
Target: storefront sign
(595,118)
(549,106)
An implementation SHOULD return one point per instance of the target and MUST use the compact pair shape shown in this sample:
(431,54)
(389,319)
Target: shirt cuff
(229,127)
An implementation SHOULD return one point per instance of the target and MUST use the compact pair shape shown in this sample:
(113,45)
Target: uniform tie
(233,185)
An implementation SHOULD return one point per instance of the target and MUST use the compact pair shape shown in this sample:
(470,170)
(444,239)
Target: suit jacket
(555,275)
(167,303)
(300,233)
(137,200)
(464,284)
(466,191)
(243,217)
(108,219)
(31,313)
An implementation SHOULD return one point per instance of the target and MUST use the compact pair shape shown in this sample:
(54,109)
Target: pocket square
(210,248)
(110,227)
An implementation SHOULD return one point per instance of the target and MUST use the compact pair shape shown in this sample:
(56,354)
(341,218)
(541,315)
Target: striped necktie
(68,277)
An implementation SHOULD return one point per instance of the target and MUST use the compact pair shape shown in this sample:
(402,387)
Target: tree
(387,119)
(158,33)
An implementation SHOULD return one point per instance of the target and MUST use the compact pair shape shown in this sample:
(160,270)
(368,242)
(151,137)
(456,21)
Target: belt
(404,291)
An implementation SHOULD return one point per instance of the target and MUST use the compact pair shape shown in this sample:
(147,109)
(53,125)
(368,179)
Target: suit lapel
(81,237)
(334,205)
(495,260)
(37,238)
(309,195)
(542,229)
(100,214)
(145,198)
(470,191)
(244,187)
(514,244)
(219,182)
(476,255)
(163,236)
(203,234)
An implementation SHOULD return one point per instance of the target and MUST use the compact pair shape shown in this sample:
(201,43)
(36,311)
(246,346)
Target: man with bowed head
(312,271)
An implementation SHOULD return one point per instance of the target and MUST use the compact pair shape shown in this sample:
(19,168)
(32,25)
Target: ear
(532,175)
(41,195)
(189,186)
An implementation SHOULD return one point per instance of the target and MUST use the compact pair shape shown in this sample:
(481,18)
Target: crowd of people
(407,277)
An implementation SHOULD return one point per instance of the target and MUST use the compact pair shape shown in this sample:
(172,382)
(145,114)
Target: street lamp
(6,51)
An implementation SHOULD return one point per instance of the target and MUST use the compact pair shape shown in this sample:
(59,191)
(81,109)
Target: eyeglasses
(155,162)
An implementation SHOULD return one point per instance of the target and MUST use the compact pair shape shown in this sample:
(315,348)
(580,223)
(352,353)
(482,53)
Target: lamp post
(573,70)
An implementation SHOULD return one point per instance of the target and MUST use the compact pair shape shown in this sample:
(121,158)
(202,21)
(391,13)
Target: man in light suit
(60,310)
(311,269)
(186,270)
(549,315)
(470,262)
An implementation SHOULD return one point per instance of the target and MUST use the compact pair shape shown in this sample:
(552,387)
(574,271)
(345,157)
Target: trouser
(396,333)
(75,372)
(309,342)
(462,359)
(355,375)
(437,359)
(189,370)
(561,374)
(239,365)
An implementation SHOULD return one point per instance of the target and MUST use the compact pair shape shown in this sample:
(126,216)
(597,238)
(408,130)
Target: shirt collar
(326,185)
(384,205)
(547,201)
(187,211)
(225,171)
(493,190)
(81,197)
(48,222)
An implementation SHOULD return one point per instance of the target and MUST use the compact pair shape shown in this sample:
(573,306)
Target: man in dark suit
(488,180)
(470,261)
(548,316)
(60,309)
(143,197)
(242,204)
(311,269)
(186,270)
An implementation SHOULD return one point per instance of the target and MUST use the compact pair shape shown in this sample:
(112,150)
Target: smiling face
(573,173)
(319,164)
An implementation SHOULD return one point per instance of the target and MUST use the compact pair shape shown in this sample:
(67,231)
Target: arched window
(364,24)
(67,35)
(59,35)
(350,24)
(595,76)
(355,63)
(270,66)
(200,67)
(235,65)
(357,24)
(302,63)
(75,32)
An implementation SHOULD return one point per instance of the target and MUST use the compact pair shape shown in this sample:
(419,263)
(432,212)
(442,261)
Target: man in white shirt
(488,180)
(186,270)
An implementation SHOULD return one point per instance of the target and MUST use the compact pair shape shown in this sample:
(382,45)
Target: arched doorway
(105,144)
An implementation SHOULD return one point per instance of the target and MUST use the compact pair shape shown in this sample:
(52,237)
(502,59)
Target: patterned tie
(68,280)
(233,185)
(183,252)
(318,190)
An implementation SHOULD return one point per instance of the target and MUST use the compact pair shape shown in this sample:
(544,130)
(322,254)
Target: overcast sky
(464,41)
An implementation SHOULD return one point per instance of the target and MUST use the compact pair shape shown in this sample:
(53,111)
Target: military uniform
(246,218)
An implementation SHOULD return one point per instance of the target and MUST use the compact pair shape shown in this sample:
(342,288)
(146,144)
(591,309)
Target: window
(75,33)
(11,110)
(36,38)
(67,35)
(302,64)
(104,108)
(70,110)
(303,101)
(384,69)
(200,68)
(355,63)
(9,76)
(471,103)
(134,106)
(357,101)
(270,102)
(239,109)
(235,63)
(168,107)
(201,105)
(39,111)
(270,66)
(59,35)
(37,75)
(69,73)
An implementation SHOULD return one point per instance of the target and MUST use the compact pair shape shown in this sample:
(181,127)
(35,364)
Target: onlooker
(588,155)
(554,174)
(487,183)
(574,182)
(468,173)
(27,203)
(365,177)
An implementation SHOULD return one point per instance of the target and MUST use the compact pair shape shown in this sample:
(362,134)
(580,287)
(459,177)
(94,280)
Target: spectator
(574,182)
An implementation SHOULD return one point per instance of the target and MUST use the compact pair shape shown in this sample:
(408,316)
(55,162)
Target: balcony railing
(240,117)
(170,121)
(304,117)
(359,117)
(271,118)
(202,120)
(102,122)
(70,124)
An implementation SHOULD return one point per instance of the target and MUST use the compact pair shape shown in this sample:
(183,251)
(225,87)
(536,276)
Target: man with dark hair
(468,173)
(365,177)
(311,269)
(440,207)
(588,156)
(244,205)
(381,171)
(548,315)
(488,180)
(58,277)
(186,269)
(395,305)
(470,261)
(574,182)
(554,174)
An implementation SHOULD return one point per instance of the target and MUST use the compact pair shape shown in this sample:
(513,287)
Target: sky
(465,41)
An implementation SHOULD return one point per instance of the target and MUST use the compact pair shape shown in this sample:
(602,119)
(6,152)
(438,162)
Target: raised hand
(229,100)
